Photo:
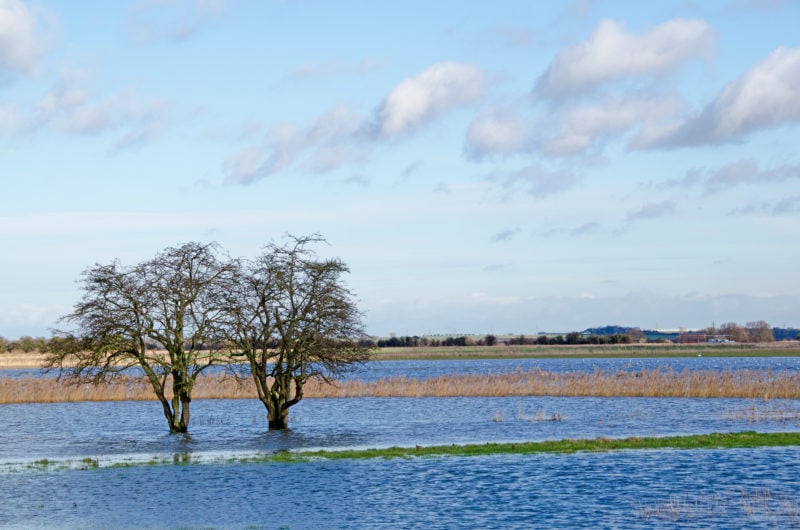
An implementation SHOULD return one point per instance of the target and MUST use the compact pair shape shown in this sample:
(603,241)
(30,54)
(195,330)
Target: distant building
(692,338)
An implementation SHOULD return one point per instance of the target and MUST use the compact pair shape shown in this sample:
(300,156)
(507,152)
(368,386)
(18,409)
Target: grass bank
(746,439)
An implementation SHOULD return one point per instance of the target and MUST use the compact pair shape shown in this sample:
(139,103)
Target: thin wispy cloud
(785,206)
(316,70)
(342,136)
(505,235)
(652,210)
(534,180)
(70,108)
(173,20)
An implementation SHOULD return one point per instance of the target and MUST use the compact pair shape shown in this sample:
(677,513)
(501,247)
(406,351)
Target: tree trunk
(278,418)
(277,411)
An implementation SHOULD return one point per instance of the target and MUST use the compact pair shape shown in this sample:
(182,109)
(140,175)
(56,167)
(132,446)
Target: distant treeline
(758,331)
(491,340)
(752,332)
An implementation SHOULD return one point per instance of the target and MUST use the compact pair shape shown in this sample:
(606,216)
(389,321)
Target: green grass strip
(746,439)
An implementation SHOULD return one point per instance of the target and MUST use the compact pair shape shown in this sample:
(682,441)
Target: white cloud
(22,44)
(611,53)
(432,92)
(766,96)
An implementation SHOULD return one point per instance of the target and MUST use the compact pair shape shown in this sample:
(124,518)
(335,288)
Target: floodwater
(422,369)
(58,465)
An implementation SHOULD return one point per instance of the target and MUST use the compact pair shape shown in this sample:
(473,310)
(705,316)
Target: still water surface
(632,489)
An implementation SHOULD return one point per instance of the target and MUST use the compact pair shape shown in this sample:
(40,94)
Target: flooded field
(112,464)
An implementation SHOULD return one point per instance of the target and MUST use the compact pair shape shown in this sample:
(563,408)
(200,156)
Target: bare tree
(291,318)
(733,331)
(169,299)
(759,331)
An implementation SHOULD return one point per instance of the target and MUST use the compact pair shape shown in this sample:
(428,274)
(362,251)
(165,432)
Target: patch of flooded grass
(752,505)
(745,440)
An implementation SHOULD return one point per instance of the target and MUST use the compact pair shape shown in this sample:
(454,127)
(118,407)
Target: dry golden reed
(762,384)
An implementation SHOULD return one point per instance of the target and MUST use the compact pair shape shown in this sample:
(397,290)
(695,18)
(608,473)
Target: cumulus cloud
(611,53)
(766,96)
(652,210)
(534,180)
(22,42)
(434,91)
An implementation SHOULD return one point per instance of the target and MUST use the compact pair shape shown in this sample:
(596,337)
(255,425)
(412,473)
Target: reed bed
(761,384)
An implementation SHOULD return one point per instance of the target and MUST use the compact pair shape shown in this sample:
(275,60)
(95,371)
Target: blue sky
(482,167)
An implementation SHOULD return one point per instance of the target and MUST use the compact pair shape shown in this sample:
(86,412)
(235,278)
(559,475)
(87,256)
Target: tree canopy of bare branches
(167,299)
(286,315)
(291,317)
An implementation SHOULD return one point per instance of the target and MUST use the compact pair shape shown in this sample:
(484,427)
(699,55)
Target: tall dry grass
(762,384)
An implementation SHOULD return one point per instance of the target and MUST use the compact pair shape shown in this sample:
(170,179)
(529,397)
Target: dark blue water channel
(58,462)
(422,369)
